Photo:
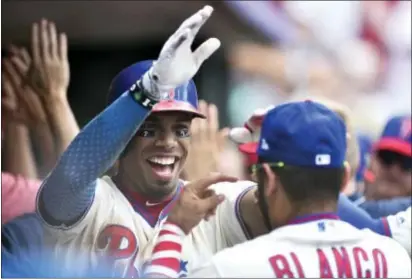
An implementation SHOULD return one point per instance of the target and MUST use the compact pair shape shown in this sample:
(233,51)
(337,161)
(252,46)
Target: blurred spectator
(387,184)
(392,161)
(21,110)
(34,103)
(319,60)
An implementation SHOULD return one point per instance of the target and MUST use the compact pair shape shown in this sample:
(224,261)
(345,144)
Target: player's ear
(270,178)
(346,176)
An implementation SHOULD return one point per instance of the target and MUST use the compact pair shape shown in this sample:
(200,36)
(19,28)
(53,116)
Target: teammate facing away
(301,172)
(146,131)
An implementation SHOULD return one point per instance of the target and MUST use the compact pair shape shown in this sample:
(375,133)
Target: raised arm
(359,218)
(21,111)
(68,191)
(50,77)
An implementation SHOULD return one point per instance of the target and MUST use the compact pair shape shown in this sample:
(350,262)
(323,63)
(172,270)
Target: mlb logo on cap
(396,136)
(305,134)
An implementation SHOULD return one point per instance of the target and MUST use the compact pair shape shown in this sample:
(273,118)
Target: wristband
(140,95)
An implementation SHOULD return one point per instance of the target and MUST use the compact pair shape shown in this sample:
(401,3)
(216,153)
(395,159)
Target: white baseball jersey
(400,228)
(110,227)
(223,230)
(323,248)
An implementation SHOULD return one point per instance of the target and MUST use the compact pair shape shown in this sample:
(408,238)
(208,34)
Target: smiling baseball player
(146,131)
(236,219)
(298,199)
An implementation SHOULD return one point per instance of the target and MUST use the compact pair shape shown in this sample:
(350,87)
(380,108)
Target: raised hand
(207,143)
(50,73)
(197,202)
(19,101)
(177,63)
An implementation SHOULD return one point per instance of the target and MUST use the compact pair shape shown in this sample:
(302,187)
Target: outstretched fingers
(196,21)
(45,39)
(52,32)
(205,50)
(35,43)
(63,46)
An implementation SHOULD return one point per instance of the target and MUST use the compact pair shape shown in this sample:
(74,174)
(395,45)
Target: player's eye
(146,133)
(183,132)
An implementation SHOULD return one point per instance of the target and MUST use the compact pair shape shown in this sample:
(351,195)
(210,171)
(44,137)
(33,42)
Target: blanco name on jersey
(324,248)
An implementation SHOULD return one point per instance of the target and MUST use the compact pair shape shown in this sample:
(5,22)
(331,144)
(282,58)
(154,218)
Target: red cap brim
(177,106)
(250,151)
(395,145)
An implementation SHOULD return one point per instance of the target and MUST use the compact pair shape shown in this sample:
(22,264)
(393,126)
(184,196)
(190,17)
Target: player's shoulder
(382,241)
(106,186)
(247,248)
(399,221)
(233,189)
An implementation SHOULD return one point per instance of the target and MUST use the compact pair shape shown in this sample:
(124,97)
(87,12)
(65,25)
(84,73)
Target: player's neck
(129,186)
(315,208)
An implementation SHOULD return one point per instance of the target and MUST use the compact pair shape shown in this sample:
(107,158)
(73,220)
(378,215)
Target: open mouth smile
(163,167)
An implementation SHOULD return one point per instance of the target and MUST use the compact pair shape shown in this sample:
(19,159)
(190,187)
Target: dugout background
(106,36)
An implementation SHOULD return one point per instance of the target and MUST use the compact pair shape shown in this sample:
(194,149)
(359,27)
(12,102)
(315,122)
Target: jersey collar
(314,217)
(151,211)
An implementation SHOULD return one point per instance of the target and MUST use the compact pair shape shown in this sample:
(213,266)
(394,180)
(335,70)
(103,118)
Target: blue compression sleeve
(68,191)
(382,208)
(358,217)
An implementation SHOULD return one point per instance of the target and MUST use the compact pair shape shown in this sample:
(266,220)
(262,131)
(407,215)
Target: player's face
(393,175)
(155,157)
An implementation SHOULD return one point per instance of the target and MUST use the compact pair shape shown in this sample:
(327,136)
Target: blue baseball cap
(305,134)
(183,98)
(396,136)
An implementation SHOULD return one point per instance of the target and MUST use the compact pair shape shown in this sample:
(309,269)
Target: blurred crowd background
(356,53)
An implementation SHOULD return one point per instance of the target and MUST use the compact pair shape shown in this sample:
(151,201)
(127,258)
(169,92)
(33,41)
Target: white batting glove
(250,132)
(177,63)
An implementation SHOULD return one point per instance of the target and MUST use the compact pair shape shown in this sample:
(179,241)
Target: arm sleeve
(358,217)
(67,193)
(382,208)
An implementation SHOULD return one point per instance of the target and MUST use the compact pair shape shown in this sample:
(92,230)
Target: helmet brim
(180,106)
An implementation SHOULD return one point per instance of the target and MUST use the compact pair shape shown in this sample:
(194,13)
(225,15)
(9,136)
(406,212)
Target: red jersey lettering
(120,244)
(342,262)
(352,263)
(324,266)
(361,259)
(282,268)
(381,265)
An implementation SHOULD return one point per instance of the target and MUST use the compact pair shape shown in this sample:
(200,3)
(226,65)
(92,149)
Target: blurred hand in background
(20,104)
(207,143)
(50,73)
